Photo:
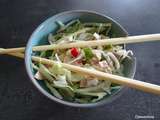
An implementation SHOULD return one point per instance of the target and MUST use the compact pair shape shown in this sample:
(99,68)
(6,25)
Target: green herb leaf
(53,90)
(88,53)
(46,54)
(96,95)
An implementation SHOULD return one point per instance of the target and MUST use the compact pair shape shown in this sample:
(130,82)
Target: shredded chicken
(115,60)
(98,54)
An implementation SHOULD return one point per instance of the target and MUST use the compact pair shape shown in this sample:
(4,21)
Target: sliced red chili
(74,52)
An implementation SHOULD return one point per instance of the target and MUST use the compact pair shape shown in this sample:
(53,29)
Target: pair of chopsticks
(140,85)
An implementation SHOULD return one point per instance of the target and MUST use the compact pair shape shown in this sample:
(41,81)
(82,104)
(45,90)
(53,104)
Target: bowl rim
(53,98)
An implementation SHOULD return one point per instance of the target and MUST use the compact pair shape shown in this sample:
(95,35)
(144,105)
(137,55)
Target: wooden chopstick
(20,55)
(113,41)
(140,85)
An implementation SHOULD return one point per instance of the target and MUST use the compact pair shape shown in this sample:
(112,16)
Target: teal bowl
(39,37)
